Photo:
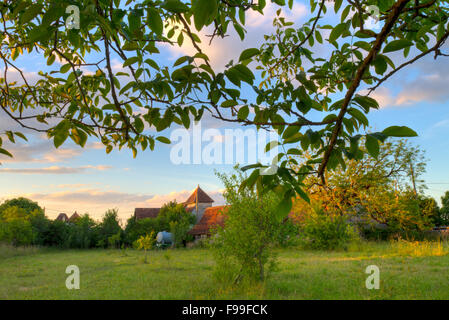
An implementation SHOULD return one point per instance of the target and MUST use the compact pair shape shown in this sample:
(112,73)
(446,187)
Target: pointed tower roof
(74,217)
(200,195)
(62,217)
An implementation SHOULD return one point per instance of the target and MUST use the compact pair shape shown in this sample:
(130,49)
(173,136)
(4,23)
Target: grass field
(406,272)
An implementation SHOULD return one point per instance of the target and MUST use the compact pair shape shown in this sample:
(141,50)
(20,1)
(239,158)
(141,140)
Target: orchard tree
(383,189)
(27,205)
(291,83)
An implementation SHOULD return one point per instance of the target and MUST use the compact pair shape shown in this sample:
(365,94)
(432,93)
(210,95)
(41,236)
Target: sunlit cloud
(96,201)
(55,170)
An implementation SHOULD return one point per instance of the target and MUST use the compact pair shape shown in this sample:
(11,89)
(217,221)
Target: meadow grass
(188,274)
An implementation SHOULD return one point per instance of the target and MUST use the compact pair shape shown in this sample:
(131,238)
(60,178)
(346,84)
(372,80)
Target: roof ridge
(199,194)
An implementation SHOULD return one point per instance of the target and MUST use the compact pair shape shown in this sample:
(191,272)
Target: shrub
(179,230)
(145,243)
(16,232)
(242,247)
(288,233)
(324,232)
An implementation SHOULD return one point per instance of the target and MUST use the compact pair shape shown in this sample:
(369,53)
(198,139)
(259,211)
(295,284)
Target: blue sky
(88,180)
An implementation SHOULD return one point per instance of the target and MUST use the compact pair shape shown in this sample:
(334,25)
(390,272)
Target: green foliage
(83,233)
(288,233)
(72,103)
(27,205)
(179,230)
(23,222)
(115,240)
(16,232)
(384,195)
(109,226)
(171,216)
(145,243)
(321,231)
(243,248)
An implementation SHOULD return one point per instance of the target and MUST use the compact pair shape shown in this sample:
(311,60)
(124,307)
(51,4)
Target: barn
(199,203)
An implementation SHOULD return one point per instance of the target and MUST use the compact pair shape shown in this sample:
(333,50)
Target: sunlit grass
(420,248)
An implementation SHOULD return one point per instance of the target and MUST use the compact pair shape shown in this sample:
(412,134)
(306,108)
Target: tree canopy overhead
(80,94)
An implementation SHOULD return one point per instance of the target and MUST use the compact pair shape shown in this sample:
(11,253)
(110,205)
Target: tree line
(23,222)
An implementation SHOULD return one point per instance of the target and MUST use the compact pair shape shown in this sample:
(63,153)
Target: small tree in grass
(252,226)
(145,243)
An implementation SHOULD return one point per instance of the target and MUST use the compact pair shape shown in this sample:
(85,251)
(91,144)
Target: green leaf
(290,131)
(175,6)
(163,140)
(204,12)
(130,61)
(243,113)
(229,103)
(61,133)
(337,5)
(366,102)
(359,116)
(372,145)
(248,54)
(337,31)
(65,68)
(138,124)
(285,206)
(399,131)
(155,21)
(396,45)
(51,59)
(380,64)
(318,36)
(31,13)
(21,135)
(5,152)
(152,63)
(79,137)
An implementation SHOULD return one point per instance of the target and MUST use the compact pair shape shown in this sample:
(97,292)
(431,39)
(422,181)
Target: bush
(324,232)
(288,234)
(16,232)
(172,217)
(242,247)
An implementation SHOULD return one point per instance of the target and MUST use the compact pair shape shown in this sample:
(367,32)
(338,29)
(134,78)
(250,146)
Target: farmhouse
(200,204)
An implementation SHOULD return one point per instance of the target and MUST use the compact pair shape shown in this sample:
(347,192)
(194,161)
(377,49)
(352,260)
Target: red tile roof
(212,216)
(202,197)
(142,213)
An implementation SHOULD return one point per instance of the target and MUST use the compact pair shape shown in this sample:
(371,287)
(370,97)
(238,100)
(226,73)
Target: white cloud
(222,50)
(425,81)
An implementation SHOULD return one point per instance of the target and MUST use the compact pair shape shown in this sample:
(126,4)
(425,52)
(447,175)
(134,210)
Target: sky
(72,179)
